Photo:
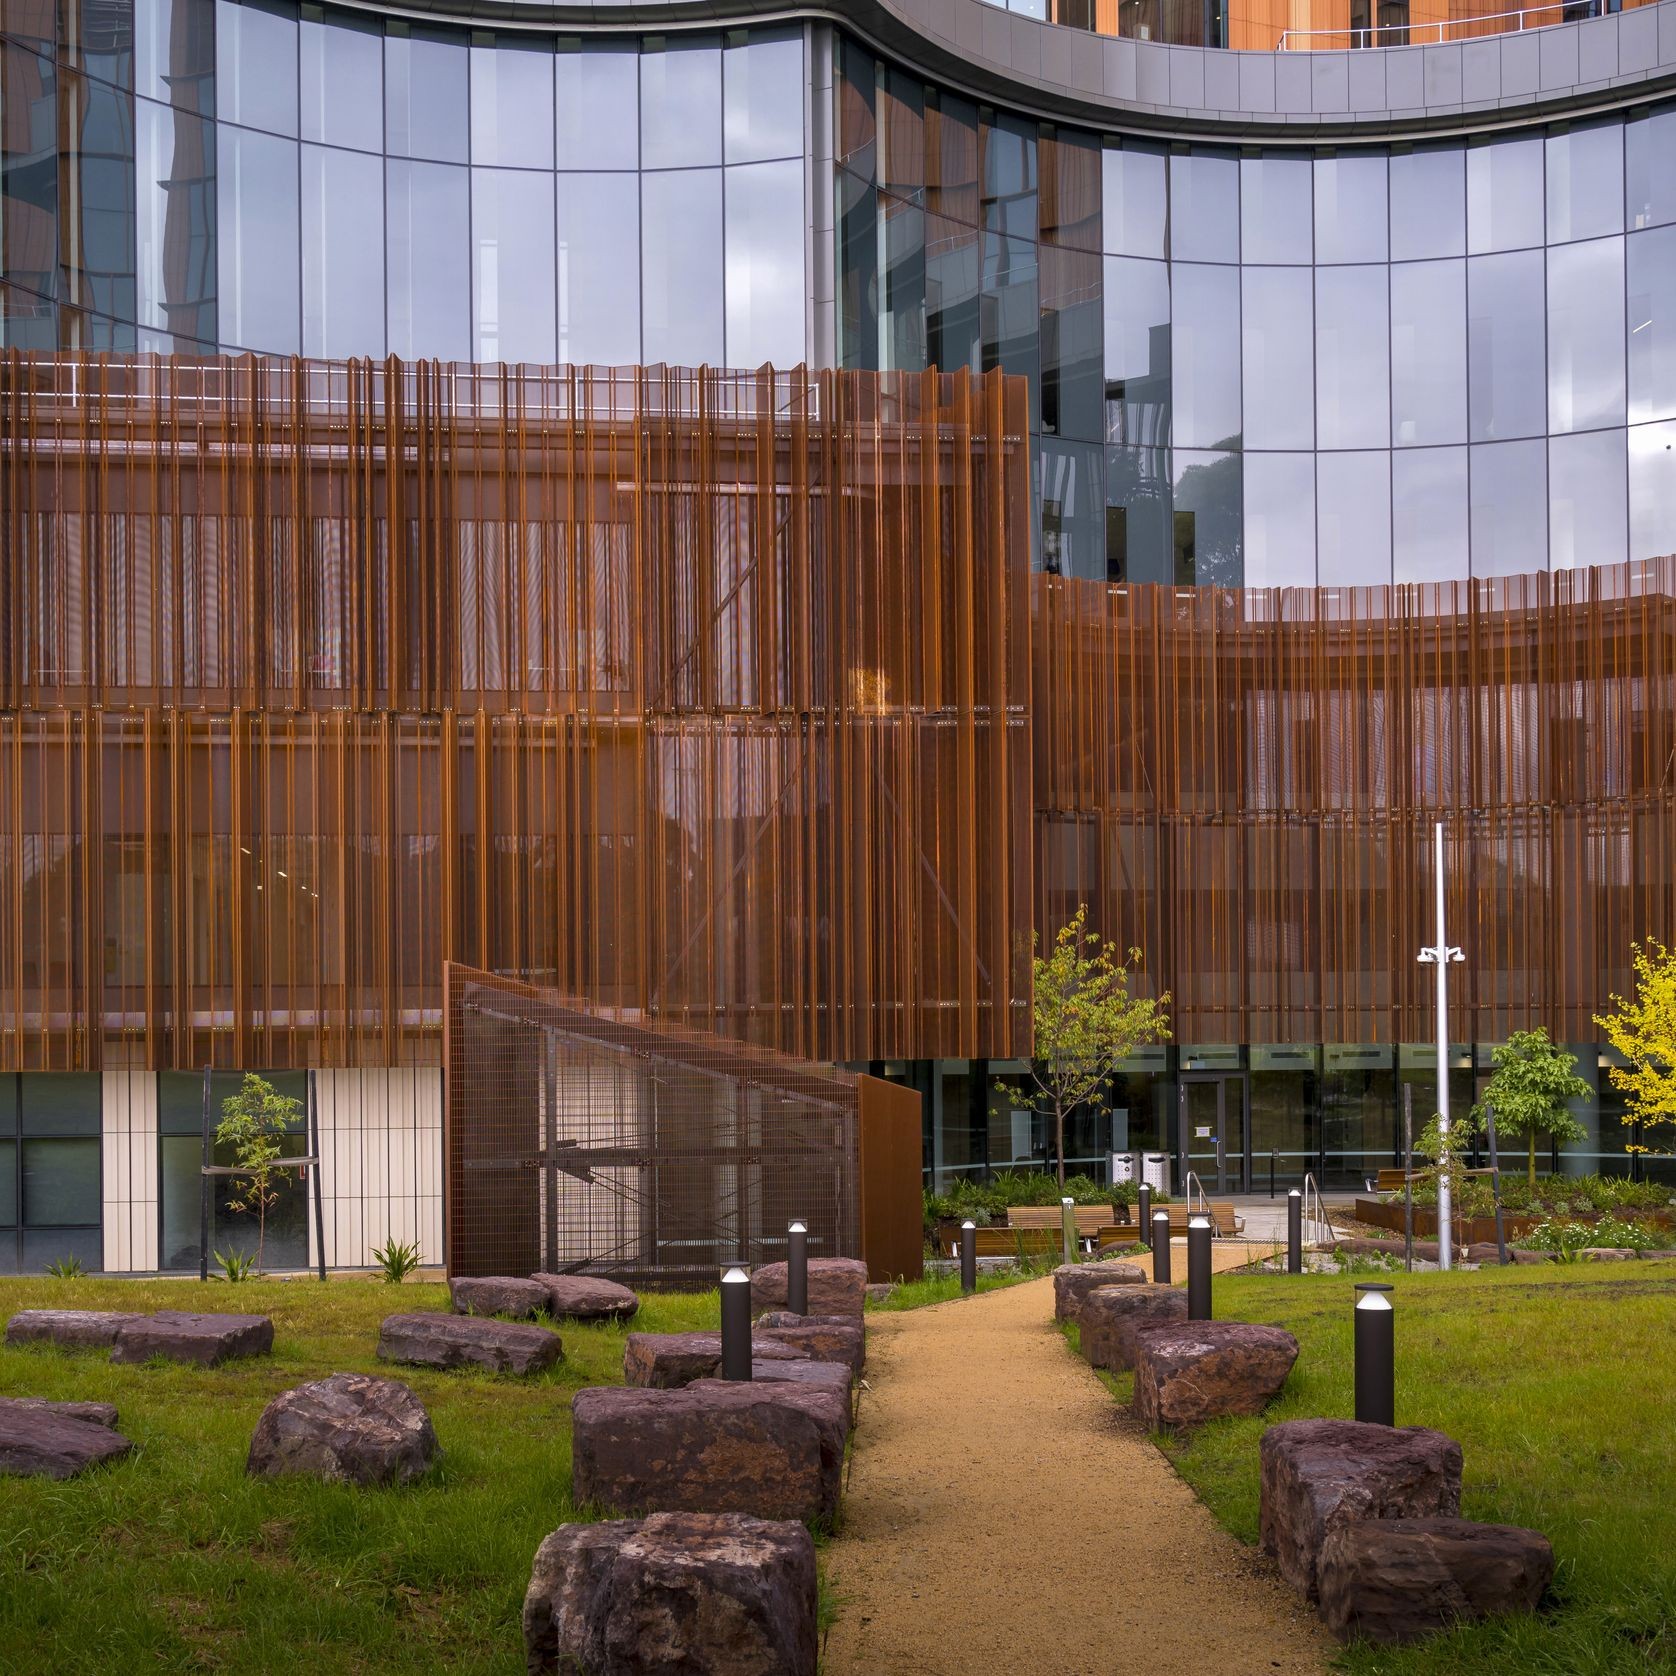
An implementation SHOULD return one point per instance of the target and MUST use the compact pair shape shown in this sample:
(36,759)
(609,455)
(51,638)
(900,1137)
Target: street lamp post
(1442,956)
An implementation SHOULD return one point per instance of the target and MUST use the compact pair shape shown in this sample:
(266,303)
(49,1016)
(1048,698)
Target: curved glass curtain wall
(1282,369)
(283,179)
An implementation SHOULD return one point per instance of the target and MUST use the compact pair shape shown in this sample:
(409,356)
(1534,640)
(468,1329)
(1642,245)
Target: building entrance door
(1214,1131)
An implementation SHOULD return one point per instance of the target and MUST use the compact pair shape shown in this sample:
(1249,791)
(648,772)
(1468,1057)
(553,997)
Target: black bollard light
(1198,1268)
(1143,1213)
(736,1324)
(1161,1247)
(797,1269)
(968,1256)
(1376,1355)
(1294,1232)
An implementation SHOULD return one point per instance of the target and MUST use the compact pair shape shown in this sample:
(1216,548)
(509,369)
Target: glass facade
(50,1171)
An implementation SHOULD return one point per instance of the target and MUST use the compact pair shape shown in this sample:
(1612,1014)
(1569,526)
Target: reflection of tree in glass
(1207,523)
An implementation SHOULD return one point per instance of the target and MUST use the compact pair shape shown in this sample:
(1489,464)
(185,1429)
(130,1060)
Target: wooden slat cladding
(1244,785)
(699,692)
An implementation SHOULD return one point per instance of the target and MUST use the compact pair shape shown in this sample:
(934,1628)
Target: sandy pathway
(1002,1515)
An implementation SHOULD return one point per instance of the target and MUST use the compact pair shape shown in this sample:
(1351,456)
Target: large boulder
(1072,1282)
(837,1286)
(1399,1579)
(1112,1319)
(94,1413)
(206,1340)
(585,1297)
(665,1361)
(1318,1475)
(845,1343)
(42,1442)
(72,1329)
(772,1449)
(825,1376)
(350,1428)
(1203,1370)
(705,1594)
(457,1341)
(497,1294)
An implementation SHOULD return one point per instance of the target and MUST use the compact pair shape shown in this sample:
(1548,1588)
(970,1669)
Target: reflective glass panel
(1205,518)
(1072,509)
(1428,352)
(1137,353)
(29,172)
(61,1103)
(343,83)
(1277,329)
(1069,165)
(1135,201)
(100,258)
(1279,521)
(680,104)
(512,280)
(1138,543)
(599,270)
(427,98)
(1428,204)
(1352,358)
(60,1183)
(762,99)
(1204,207)
(1072,385)
(1505,203)
(1205,355)
(1588,499)
(901,151)
(256,66)
(512,105)
(1276,208)
(681,240)
(1586,335)
(1352,216)
(766,292)
(858,274)
(1586,182)
(343,267)
(902,287)
(429,227)
(1652,490)
(598,106)
(1650,289)
(953,283)
(1009,309)
(8,1199)
(1353,525)
(257,238)
(1428,514)
(1509,501)
(1649,180)
(174,53)
(1506,337)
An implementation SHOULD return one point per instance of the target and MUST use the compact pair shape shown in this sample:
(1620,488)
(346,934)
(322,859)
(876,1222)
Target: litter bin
(1155,1171)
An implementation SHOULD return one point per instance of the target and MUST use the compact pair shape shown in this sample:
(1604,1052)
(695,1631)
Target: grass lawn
(174,1560)
(1560,1384)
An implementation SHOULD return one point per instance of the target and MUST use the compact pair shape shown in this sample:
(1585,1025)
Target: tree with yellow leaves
(1643,1031)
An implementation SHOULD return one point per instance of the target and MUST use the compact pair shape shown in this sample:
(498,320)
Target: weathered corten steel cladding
(1244,785)
(698,692)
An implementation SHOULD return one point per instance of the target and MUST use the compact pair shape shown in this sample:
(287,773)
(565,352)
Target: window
(1135,210)
(259,235)
(681,237)
(1352,358)
(1352,217)
(1509,497)
(1429,514)
(513,281)
(1204,207)
(1277,361)
(1276,209)
(343,268)
(1205,355)
(256,67)
(762,99)
(426,98)
(343,83)
(429,210)
(1506,352)
(1587,499)
(1586,183)
(1428,204)
(766,291)
(1205,520)
(1586,335)
(1505,200)
(680,103)
(1353,497)
(50,1170)
(1279,521)
(1428,352)
(512,105)
(599,270)
(598,106)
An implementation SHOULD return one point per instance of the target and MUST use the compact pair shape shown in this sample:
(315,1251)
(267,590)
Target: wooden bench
(1389,1181)
(1128,1233)
(1010,1242)
(1090,1219)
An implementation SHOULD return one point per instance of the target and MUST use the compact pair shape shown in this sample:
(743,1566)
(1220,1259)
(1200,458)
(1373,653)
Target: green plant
(396,1259)
(1529,1089)
(1644,1032)
(66,1268)
(1367,1262)
(253,1123)
(987,1202)
(235,1265)
(1566,1239)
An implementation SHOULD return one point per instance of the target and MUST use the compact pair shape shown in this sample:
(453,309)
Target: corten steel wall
(693,691)
(1244,785)
(581,1139)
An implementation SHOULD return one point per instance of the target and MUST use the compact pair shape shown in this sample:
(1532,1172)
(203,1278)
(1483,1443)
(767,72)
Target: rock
(74,1329)
(776,1318)
(845,1343)
(837,1286)
(42,1442)
(456,1341)
(666,1361)
(585,1297)
(497,1295)
(1202,1370)
(826,1376)
(1396,1580)
(881,1292)
(1607,1254)
(1484,1251)
(774,1450)
(704,1594)
(1112,1318)
(1072,1282)
(350,1428)
(206,1340)
(94,1413)
(1320,1474)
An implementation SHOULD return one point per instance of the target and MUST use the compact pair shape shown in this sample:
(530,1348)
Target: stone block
(667,1361)
(72,1329)
(205,1340)
(350,1428)
(42,1442)
(837,1286)
(497,1294)
(822,1342)
(585,1297)
(1112,1318)
(457,1341)
(1072,1282)
(94,1413)
(1204,1370)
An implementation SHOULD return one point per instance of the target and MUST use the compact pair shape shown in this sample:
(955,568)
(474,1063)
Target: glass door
(1213,1131)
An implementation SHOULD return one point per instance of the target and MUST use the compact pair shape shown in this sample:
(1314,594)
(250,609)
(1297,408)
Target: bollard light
(1161,1247)
(1294,1232)
(736,1324)
(1143,1213)
(968,1256)
(797,1269)
(1376,1355)
(1198,1268)
(1068,1227)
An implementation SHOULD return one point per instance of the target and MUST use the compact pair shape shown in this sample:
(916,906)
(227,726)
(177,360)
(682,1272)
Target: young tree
(1086,1023)
(1529,1089)
(1644,1032)
(253,1123)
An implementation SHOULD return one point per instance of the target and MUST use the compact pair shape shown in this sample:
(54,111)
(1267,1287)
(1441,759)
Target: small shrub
(396,1259)
(1566,1239)
(235,1265)
(1367,1262)
(66,1268)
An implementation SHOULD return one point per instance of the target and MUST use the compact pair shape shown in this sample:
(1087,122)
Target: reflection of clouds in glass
(1586,335)
(1586,499)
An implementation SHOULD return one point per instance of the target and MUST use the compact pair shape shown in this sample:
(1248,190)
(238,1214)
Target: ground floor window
(49,1171)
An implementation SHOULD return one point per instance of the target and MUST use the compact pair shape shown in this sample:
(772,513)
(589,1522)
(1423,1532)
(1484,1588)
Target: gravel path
(1003,1514)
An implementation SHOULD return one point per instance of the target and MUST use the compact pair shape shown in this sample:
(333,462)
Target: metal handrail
(1188,1188)
(1339,40)
(1312,1190)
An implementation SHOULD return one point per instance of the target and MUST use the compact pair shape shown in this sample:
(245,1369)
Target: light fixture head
(968,1224)
(1198,1222)
(736,1276)
(797,1228)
